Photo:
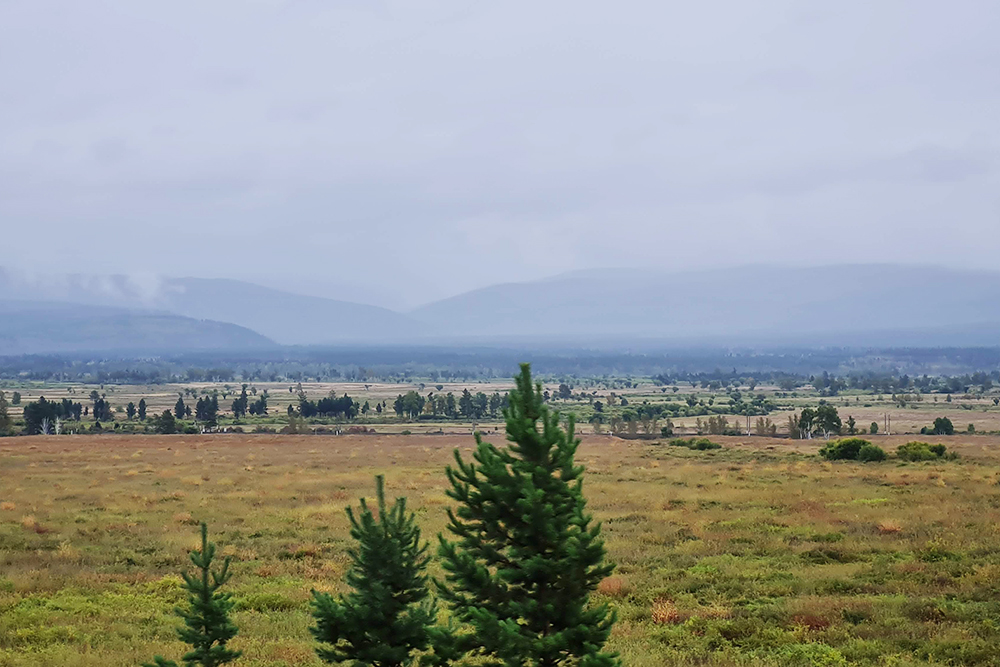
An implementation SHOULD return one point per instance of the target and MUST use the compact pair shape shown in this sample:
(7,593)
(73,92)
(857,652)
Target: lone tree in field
(387,616)
(526,557)
(6,423)
(207,625)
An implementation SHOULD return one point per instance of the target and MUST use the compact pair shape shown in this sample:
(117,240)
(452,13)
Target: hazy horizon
(401,153)
(147,286)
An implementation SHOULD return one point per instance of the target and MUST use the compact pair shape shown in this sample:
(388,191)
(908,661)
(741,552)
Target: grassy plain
(759,553)
(918,411)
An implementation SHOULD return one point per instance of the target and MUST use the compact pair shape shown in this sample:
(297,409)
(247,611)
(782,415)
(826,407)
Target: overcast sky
(416,149)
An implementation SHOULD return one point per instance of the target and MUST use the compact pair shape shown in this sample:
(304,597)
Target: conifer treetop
(526,555)
(207,627)
(384,620)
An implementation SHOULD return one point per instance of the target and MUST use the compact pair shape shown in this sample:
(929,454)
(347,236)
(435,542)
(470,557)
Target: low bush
(923,451)
(699,444)
(869,453)
(850,449)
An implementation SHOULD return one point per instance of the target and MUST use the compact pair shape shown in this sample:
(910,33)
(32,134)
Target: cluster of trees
(44,417)
(344,407)
(942,426)
(470,406)
(823,420)
(102,407)
(132,411)
(207,410)
(517,581)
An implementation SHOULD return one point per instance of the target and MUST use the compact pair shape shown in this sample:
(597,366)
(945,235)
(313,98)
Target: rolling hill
(831,305)
(840,305)
(284,317)
(40,327)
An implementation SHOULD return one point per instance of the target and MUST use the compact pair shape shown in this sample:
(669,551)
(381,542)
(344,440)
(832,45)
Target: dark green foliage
(827,419)
(923,451)
(410,405)
(700,444)
(6,423)
(241,404)
(39,416)
(15,398)
(207,410)
(869,453)
(848,449)
(344,407)
(102,410)
(873,429)
(165,423)
(526,557)
(179,408)
(130,410)
(207,626)
(386,618)
(259,407)
(141,409)
(942,426)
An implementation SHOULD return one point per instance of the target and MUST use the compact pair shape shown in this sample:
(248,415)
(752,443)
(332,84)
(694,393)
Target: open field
(758,553)
(977,409)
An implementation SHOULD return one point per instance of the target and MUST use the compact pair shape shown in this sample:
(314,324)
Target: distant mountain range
(830,305)
(46,327)
(845,305)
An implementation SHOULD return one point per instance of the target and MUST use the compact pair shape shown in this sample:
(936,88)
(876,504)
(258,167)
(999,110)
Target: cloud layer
(400,152)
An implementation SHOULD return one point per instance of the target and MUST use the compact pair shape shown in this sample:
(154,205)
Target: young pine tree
(526,557)
(385,619)
(207,625)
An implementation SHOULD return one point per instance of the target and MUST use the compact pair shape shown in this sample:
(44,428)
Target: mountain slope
(40,327)
(864,304)
(287,318)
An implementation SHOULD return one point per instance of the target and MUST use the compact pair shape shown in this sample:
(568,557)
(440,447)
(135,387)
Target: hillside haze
(846,305)
(284,317)
(48,327)
(831,305)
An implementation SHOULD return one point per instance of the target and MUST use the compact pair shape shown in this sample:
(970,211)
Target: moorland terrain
(759,552)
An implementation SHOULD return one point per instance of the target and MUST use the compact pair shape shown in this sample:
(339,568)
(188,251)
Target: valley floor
(757,553)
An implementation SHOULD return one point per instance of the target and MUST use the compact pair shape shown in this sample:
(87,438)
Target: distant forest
(399,364)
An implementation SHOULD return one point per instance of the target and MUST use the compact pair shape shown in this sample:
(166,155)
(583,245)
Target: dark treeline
(830,385)
(398,364)
(344,407)
(435,406)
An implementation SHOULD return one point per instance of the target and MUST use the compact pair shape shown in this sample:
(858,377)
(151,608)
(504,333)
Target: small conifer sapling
(526,556)
(384,621)
(207,627)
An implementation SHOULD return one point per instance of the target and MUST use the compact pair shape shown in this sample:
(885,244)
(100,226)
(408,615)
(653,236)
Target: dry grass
(614,587)
(664,613)
(724,557)
(889,527)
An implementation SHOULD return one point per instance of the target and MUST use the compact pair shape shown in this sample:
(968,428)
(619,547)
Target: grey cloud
(416,145)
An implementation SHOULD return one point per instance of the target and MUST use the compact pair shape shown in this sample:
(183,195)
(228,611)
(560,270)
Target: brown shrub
(888,527)
(615,587)
(811,622)
(185,518)
(665,613)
